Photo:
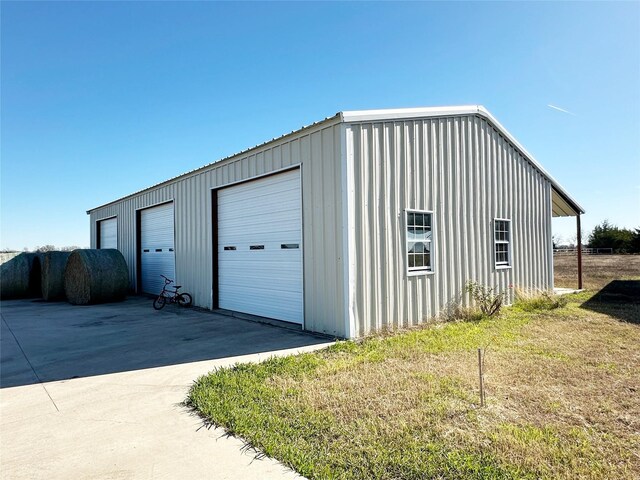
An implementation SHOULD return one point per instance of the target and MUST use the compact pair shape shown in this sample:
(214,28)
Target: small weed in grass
(454,312)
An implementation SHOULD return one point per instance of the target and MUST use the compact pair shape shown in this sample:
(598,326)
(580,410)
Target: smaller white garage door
(156,242)
(260,247)
(108,233)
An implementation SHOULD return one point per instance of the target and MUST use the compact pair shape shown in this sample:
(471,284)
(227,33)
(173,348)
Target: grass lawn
(563,393)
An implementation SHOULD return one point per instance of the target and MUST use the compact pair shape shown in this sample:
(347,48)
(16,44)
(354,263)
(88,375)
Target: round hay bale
(52,275)
(95,276)
(20,277)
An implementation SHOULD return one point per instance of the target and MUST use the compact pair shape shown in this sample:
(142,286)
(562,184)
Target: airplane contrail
(561,110)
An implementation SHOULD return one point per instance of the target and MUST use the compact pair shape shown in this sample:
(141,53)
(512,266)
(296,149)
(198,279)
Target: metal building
(364,220)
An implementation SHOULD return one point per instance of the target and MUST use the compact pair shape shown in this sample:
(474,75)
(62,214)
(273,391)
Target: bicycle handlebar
(166,280)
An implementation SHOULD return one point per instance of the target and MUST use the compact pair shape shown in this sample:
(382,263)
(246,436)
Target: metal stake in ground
(481,377)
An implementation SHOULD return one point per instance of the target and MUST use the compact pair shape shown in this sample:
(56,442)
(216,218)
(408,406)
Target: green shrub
(489,299)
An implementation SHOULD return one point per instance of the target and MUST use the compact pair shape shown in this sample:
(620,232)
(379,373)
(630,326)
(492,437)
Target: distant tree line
(621,240)
(52,248)
(44,248)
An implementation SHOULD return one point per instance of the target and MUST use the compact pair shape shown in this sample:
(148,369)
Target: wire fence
(585,251)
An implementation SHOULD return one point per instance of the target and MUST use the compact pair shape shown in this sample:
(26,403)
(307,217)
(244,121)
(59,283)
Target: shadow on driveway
(57,341)
(619,299)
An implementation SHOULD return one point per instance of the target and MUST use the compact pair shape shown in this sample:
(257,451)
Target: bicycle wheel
(184,300)
(159,302)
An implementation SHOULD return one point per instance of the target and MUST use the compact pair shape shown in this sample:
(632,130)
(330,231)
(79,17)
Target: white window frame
(424,270)
(508,243)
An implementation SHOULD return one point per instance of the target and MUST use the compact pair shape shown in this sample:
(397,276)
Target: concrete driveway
(95,392)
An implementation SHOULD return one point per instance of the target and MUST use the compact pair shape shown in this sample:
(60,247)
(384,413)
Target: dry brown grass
(563,397)
(597,270)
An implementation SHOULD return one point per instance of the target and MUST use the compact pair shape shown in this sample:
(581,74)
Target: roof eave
(218,162)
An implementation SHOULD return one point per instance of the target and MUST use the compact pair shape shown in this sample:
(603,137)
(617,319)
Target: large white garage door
(157,256)
(109,233)
(260,247)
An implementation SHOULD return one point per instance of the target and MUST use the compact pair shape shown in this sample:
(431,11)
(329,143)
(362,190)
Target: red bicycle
(171,296)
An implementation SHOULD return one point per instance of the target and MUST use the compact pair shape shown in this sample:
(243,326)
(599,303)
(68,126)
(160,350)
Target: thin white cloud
(561,110)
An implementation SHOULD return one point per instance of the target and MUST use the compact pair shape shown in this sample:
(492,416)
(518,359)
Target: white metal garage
(260,247)
(370,186)
(108,233)
(157,256)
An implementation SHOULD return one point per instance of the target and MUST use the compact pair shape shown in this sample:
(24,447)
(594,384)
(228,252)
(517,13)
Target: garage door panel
(261,270)
(265,281)
(276,305)
(271,241)
(268,198)
(259,222)
(157,254)
(256,290)
(250,217)
(239,282)
(109,233)
(273,187)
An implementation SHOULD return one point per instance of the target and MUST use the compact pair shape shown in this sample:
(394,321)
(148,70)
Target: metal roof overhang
(561,207)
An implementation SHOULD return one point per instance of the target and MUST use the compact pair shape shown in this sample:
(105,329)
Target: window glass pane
(418,234)
(418,238)
(502,241)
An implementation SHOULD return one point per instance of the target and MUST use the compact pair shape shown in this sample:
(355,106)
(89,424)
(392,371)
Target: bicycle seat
(178,286)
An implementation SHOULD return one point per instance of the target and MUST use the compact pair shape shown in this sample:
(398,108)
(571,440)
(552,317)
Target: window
(419,229)
(502,241)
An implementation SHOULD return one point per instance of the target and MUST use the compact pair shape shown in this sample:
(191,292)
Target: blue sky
(99,100)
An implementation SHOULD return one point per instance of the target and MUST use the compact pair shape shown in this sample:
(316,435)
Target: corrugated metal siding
(467,173)
(317,151)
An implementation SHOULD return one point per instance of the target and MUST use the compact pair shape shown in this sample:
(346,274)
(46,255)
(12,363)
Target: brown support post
(579,233)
